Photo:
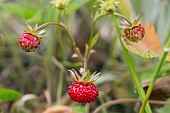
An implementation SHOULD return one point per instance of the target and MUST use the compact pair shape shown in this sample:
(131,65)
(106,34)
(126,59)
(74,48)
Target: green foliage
(79,109)
(8,95)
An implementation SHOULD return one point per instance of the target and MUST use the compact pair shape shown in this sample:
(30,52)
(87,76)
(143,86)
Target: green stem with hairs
(155,76)
(134,75)
(67,33)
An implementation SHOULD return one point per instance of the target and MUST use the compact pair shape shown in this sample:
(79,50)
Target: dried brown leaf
(59,109)
(149,46)
(161,91)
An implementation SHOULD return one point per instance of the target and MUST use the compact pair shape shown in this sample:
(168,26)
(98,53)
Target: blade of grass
(134,75)
(155,76)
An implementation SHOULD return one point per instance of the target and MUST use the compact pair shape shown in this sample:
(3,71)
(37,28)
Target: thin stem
(67,33)
(74,45)
(102,102)
(65,14)
(155,76)
(126,100)
(125,18)
(85,65)
(60,86)
(76,50)
(91,36)
(134,75)
(87,108)
(50,23)
(92,33)
(93,26)
(61,78)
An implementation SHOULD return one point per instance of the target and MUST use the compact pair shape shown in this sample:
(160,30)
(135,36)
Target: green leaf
(8,94)
(94,40)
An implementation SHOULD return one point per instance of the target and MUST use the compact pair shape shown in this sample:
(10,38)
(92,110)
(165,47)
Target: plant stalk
(134,75)
(67,33)
(155,76)
(122,16)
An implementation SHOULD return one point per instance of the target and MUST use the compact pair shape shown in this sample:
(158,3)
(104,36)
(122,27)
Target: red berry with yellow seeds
(83,92)
(135,33)
(30,39)
(29,42)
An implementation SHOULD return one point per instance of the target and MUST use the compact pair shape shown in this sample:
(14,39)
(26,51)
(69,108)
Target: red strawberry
(29,42)
(83,90)
(83,93)
(135,33)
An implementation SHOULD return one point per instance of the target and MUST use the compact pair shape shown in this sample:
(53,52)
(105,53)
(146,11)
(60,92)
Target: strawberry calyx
(33,31)
(85,77)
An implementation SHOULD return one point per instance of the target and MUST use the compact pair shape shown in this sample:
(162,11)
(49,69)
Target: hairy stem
(67,33)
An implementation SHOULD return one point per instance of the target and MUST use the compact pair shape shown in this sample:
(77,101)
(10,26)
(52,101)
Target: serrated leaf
(94,40)
(8,94)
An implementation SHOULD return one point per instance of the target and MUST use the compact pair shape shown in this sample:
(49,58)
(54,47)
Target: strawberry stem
(67,33)
(91,35)
(50,23)
(125,18)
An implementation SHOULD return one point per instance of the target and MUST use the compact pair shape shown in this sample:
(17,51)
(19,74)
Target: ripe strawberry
(29,42)
(83,93)
(135,33)
(83,90)
(30,39)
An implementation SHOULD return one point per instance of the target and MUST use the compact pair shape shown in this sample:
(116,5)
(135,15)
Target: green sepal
(85,76)
(135,21)
(27,28)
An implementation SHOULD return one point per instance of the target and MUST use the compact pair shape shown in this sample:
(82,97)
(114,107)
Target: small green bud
(59,4)
(110,9)
(109,6)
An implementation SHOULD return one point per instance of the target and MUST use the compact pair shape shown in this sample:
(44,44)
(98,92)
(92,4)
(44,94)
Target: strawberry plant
(69,76)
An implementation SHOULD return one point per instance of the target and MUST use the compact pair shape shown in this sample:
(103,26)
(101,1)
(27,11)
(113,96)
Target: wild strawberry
(135,33)
(29,42)
(83,90)
(30,39)
(83,93)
